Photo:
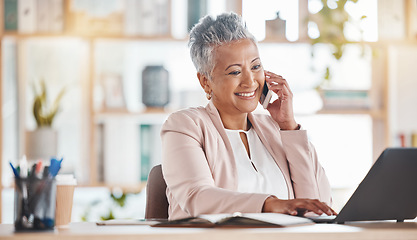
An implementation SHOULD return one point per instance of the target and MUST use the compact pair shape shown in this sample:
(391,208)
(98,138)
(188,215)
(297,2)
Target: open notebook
(243,220)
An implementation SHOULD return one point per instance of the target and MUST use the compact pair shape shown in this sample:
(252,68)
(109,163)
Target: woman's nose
(248,78)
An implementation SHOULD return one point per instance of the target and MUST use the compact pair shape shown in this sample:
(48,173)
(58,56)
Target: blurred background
(113,70)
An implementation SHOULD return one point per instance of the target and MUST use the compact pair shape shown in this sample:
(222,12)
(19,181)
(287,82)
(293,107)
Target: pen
(38,169)
(55,166)
(23,164)
(32,174)
(27,222)
(23,167)
(47,176)
(45,172)
(15,172)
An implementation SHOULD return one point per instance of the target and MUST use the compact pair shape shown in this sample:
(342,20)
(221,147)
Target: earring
(208,96)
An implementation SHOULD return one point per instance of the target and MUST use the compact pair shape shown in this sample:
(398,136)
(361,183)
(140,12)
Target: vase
(155,86)
(41,143)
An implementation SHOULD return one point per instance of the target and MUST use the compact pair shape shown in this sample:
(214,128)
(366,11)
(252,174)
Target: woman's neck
(235,122)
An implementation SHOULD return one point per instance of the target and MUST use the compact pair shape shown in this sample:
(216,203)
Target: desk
(357,231)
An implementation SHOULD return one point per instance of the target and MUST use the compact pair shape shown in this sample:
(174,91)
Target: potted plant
(41,143)
(331,22)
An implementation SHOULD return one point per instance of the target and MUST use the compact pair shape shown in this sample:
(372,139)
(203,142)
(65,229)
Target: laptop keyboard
(322,218)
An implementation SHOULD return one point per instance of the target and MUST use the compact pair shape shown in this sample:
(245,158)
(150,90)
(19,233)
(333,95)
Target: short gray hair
(211,32)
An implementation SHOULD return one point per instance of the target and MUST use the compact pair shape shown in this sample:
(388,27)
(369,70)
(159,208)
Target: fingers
(302,206)
(277,84)
(274,79)
(319,207)
(333,211)
(297,206)
(284,92)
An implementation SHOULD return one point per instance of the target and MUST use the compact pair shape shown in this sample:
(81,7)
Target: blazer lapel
(266,140)
(230,159)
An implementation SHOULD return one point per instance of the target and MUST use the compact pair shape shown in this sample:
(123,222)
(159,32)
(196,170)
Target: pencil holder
(34,204)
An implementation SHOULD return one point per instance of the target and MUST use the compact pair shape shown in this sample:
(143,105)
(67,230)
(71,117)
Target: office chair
(156,200)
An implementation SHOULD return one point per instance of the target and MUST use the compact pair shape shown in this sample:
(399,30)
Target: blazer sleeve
(189,177)
(308,177)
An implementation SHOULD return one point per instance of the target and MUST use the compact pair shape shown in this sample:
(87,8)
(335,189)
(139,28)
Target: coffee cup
(65,185)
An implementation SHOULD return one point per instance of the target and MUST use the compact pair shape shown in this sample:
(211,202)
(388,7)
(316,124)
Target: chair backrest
(156,199)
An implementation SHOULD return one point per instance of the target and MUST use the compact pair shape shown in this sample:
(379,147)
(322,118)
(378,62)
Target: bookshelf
(73,28)
(95,119)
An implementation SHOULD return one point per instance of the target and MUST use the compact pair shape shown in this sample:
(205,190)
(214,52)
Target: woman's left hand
(281,110)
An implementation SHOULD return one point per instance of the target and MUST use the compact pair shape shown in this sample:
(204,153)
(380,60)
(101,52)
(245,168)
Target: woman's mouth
(246,94)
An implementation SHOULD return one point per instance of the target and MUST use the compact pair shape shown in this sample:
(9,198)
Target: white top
(260,173)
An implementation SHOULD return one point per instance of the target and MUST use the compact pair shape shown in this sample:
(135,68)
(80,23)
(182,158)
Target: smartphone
(265,96)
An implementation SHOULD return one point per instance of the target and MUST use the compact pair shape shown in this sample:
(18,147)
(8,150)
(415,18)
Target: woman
(222,158)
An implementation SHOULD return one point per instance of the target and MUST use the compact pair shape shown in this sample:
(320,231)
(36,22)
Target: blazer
(199,166)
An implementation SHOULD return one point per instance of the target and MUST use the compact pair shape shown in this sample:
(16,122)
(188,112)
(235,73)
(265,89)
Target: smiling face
(237,78)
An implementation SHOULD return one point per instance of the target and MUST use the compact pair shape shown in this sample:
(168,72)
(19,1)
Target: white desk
(357,231)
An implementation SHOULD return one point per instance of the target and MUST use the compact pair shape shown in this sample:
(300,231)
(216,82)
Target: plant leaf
(43,113)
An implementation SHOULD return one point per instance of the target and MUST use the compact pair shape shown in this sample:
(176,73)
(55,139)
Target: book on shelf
(34,16)
(406,139)
(150,148)
(345,99)
(414,140)
(42,16)
(99,146)
(96,17)
(10,15)
(238,220)
(145,151)
(131,19)
(147,18)
(391,20)
(49,16)
(26,16)
(120,151)
(56,16)
(196,10)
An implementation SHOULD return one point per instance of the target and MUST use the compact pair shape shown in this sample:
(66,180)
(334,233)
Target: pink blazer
(200,171)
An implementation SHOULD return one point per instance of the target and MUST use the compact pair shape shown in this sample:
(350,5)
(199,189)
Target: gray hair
(211,32)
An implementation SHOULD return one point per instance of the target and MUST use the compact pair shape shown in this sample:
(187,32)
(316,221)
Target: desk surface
(381,230)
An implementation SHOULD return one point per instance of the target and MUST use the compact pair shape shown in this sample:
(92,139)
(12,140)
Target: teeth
(246,94)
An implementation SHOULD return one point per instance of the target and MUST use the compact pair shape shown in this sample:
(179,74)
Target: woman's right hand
(296,206)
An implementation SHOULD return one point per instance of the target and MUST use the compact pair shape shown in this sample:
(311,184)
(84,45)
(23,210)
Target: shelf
(372,44)
(150,116)
(126,188)
(91,36)
(149,110)
(381,43)
(378,114)
(171,38)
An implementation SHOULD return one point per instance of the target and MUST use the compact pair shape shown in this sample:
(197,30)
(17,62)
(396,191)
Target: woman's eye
(256,67)
(234,73)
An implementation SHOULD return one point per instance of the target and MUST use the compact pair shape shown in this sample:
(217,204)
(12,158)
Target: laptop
(388,191)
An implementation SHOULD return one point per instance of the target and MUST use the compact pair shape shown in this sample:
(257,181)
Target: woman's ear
(204,82)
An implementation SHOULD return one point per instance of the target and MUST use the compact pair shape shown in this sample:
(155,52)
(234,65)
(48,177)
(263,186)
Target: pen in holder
(34,203)
(35,196)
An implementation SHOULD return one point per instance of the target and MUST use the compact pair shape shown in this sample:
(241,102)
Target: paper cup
(65,184)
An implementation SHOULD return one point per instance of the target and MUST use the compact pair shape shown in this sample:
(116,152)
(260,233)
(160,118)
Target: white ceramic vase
(41,143)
